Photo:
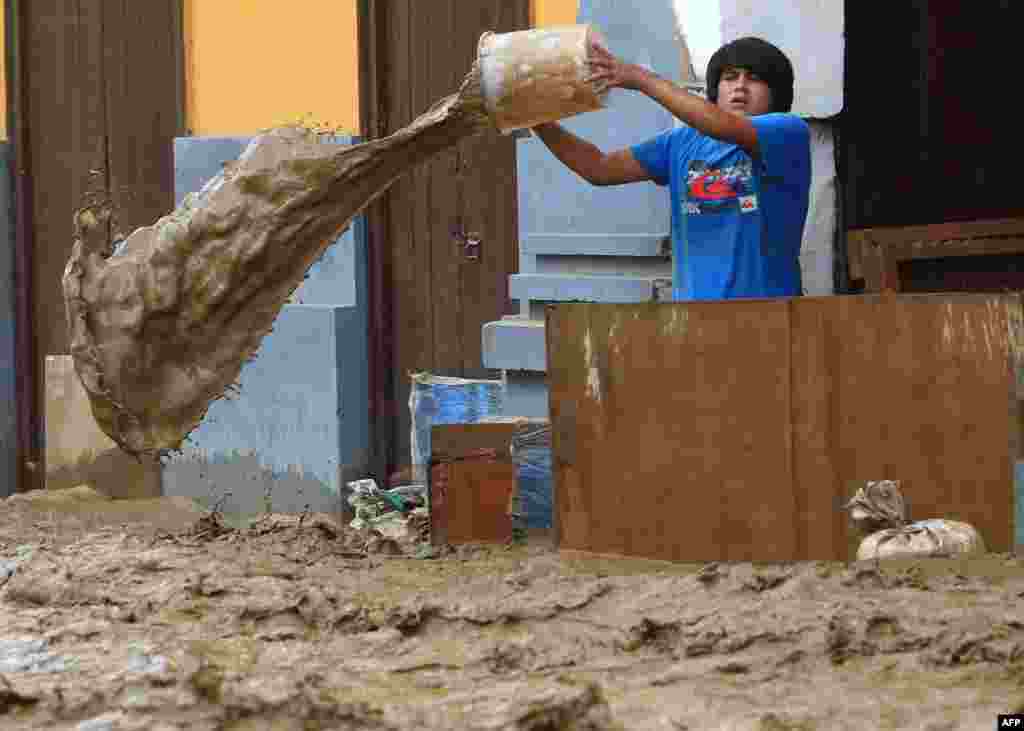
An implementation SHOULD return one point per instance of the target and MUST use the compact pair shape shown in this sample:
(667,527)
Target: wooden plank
(374,83)
(735,430)
(28,372)
(470,501)
(103,131)
(876,254)
(412,344)
(855,243)
(665,437)
(489,203)
(63,53)
(180,66)
(973,247)
(821,526)
(881,272)
(472,185)
(479,500)
(141,56)
(452,441)
(891,236)
(444,188)
(924,394)
(471,495)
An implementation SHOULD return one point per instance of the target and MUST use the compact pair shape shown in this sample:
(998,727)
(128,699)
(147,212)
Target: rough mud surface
(148,615)
(161,327)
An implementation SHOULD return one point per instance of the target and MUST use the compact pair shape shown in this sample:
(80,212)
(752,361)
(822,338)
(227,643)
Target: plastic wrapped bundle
(441,400)
(880,510)
(531,450)
(535,76)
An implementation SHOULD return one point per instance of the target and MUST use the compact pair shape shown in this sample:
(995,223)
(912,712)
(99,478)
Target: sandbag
(880,510)
(934,537)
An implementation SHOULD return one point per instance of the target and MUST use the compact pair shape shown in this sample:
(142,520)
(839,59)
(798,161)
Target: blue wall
(8,392)
(299,426)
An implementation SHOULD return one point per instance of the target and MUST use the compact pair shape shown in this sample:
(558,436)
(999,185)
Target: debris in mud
(29,656)
(399,513)
(710,574)
(765,581)
(663,636)
(7,569)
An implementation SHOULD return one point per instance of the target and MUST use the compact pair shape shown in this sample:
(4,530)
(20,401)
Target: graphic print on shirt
(719,190)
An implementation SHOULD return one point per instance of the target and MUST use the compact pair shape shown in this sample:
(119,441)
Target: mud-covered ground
(143,615)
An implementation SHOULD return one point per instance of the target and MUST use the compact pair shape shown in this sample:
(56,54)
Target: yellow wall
(253,65)
(553,12)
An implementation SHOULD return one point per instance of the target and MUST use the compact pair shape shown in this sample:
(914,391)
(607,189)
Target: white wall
(810,32)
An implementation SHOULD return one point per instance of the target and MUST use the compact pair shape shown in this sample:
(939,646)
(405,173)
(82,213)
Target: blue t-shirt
(737,223)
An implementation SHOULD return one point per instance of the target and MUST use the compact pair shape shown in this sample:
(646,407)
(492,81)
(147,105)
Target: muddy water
(190,624)
(162,326)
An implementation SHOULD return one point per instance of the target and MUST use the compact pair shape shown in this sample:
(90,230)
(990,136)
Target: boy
(738,173)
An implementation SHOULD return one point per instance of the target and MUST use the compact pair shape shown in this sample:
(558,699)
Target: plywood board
(915,388)
(735,430)
(671,430)
(470,494)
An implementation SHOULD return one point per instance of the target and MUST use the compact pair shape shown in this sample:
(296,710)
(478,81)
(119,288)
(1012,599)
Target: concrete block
(331,280)
(514,345)
(526,394)
(298,430)
(581,288)
(595,244)
(77,450)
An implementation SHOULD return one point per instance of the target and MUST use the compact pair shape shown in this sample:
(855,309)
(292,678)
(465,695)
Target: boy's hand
(608,72)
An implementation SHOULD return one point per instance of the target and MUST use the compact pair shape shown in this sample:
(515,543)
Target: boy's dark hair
(763,59)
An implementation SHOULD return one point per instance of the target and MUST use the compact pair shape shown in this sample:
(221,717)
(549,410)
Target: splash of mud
(161,327)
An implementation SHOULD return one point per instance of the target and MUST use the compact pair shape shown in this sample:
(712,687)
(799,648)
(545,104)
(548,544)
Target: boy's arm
(698,113)
(588,161)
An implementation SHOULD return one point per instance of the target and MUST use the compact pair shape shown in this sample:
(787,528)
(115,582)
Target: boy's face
(741,91)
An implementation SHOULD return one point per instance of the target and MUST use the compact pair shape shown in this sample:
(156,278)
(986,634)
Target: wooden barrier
(734,430)
(472,483)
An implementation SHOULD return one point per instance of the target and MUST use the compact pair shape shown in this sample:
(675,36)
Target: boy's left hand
(608,72)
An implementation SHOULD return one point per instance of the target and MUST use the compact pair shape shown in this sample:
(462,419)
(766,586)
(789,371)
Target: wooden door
(99,101)
(428,297)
